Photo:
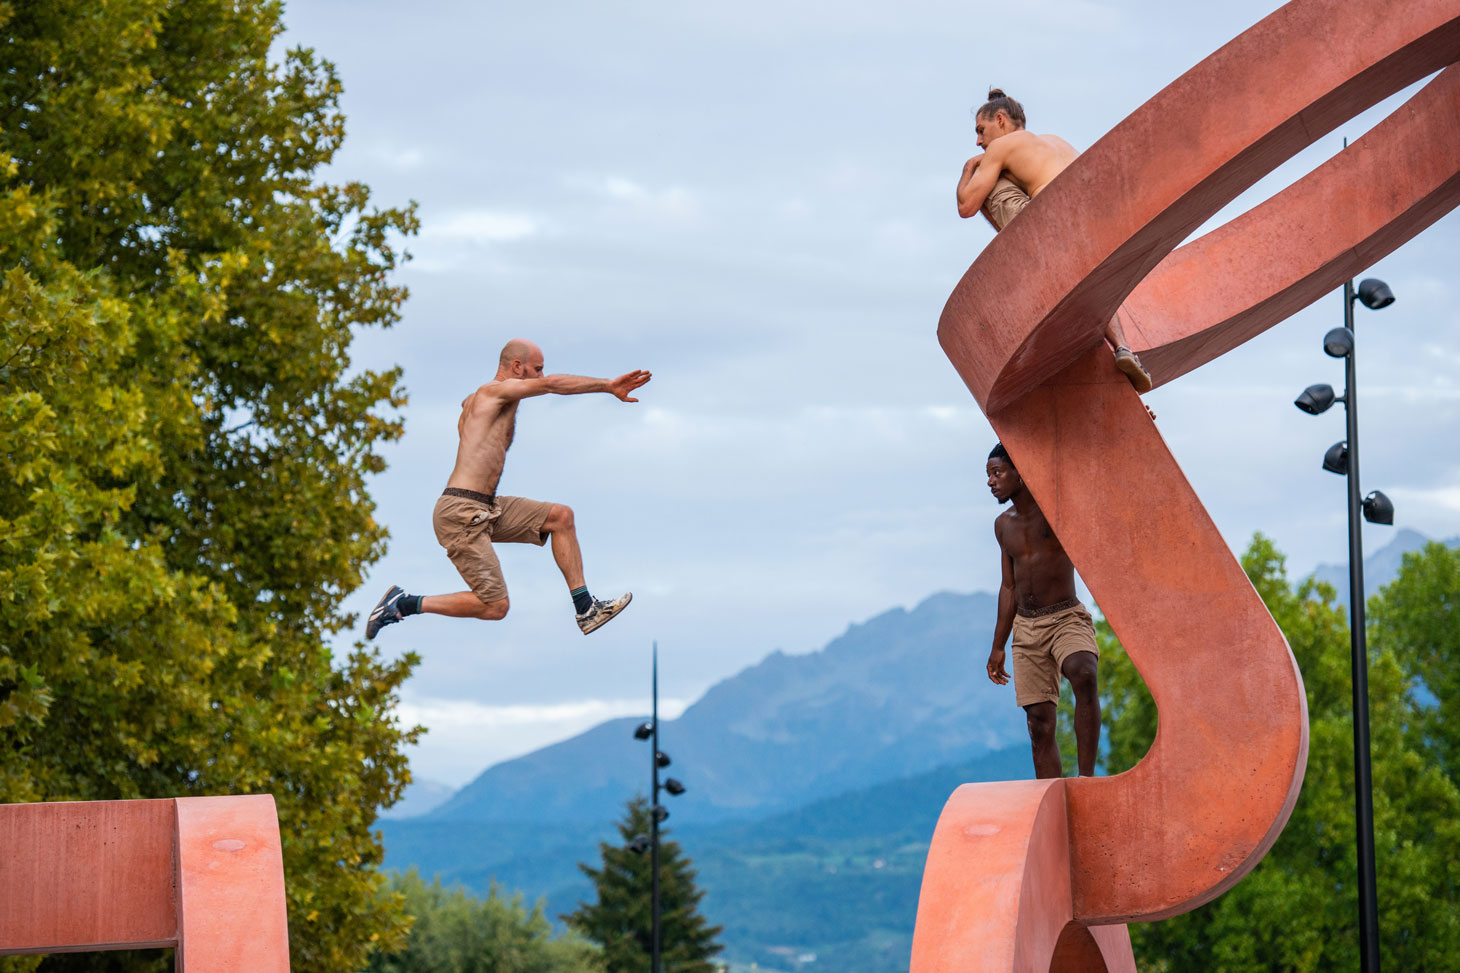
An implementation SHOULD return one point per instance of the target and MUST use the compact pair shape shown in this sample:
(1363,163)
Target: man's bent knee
(1081,671)
(560,517)
(494,611)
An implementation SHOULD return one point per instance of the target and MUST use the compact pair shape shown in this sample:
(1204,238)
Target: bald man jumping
(470,516)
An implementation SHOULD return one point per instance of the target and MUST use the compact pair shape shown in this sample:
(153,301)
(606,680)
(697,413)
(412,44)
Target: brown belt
(1058,606)
(486,498)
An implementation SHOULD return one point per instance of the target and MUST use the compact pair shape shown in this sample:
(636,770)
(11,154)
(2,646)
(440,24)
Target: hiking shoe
(1127,362)
(386,612)
(601,611)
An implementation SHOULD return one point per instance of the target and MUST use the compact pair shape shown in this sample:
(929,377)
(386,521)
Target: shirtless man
(1053,633)
(1015,166)
(470,516)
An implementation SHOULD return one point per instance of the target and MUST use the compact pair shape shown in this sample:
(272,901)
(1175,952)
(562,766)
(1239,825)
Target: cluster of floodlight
(1317,399)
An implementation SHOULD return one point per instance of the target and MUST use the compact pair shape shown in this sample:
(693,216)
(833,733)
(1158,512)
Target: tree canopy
(186,442)
(1298,909)
(453,930)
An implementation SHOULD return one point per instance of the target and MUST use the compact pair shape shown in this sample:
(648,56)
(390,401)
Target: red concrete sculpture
(1039,875)
(202,874)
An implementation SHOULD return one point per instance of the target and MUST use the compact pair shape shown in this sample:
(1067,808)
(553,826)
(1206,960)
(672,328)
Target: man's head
(997,117)
(1004,480)
(520,359)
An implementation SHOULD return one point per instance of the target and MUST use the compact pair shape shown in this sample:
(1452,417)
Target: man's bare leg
(464,604)
(564,539)
(1125,359)
(1080,669)
(1041,719)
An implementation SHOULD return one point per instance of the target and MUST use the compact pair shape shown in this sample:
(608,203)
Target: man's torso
(1032,161)
(486,428)
(1043,574)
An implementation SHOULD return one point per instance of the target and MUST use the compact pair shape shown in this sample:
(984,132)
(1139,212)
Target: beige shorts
(1005,201)
(1040,647)
(466,527)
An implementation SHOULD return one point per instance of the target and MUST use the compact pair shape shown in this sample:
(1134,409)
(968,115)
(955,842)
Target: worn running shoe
(601,611)
(386,612)
(1127,362)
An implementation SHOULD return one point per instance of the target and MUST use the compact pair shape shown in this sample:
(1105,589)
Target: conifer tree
(621,921)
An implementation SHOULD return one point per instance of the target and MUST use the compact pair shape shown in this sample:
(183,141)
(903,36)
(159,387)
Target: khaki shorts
(467,528)
(1005,201)
(1040,647)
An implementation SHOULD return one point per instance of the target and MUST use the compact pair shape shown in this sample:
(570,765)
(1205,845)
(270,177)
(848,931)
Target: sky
(755,201)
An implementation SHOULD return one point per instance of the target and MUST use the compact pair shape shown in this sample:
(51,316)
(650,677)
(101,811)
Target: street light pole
(654,821)
(1358,647)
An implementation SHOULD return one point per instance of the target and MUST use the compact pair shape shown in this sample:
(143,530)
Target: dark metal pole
(1358,645)
(654,823)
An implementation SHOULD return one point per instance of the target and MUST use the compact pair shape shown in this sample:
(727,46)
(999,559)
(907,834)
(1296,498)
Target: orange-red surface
(1024,327)
(203,874)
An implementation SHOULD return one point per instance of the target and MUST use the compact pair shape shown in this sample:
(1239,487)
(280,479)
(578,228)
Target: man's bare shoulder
(1056,145)
(1003,521)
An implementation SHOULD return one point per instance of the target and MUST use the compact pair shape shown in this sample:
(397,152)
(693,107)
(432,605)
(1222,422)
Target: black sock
(582,600)
(409,604)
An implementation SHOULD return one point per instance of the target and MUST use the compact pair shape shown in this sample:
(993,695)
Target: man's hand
(996,668)
(624,384)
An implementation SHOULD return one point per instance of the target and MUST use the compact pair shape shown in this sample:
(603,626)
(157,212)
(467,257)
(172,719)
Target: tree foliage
(1298,909)
(185,442)
(452,930)
(621,921)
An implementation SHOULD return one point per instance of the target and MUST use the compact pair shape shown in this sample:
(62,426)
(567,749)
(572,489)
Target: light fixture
(1378,509)
(643,731)
(1315,399)
(1336,459)
(661,758)
(1339,343)
(1374,293)
(640,844)
(675,787)
(660,812)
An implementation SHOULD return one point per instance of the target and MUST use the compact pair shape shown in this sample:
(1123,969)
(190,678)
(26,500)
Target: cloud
(400,159)
(673,204)
(481,227)
(465,736)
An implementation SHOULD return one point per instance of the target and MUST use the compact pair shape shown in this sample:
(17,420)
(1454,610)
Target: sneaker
(1127,362)
(601,611)
(386,612)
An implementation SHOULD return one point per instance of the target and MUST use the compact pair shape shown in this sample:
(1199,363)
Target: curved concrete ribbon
(1024,330)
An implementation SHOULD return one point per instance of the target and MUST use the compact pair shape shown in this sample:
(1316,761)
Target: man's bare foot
(1127,362)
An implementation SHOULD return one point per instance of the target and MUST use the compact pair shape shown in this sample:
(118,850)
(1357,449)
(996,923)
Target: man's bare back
(1031,160)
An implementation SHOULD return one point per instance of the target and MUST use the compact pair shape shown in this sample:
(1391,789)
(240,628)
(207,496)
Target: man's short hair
(999,452)
(1000,102)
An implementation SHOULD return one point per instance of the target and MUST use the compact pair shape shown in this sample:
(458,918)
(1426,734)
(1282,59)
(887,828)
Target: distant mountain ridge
(901,693)
(1380,567)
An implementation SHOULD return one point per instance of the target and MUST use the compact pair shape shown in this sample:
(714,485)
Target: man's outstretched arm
(525,388)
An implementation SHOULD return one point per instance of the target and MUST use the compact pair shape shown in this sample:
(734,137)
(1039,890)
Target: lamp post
(1343,458)
(657,812)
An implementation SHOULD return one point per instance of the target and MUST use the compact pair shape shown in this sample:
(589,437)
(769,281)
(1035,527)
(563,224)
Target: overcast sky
(755,201)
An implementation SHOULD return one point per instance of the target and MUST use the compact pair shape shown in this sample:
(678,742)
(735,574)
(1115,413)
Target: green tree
(621,920)
(185,442)
(1298,909)
(454,931)
(1417,618)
